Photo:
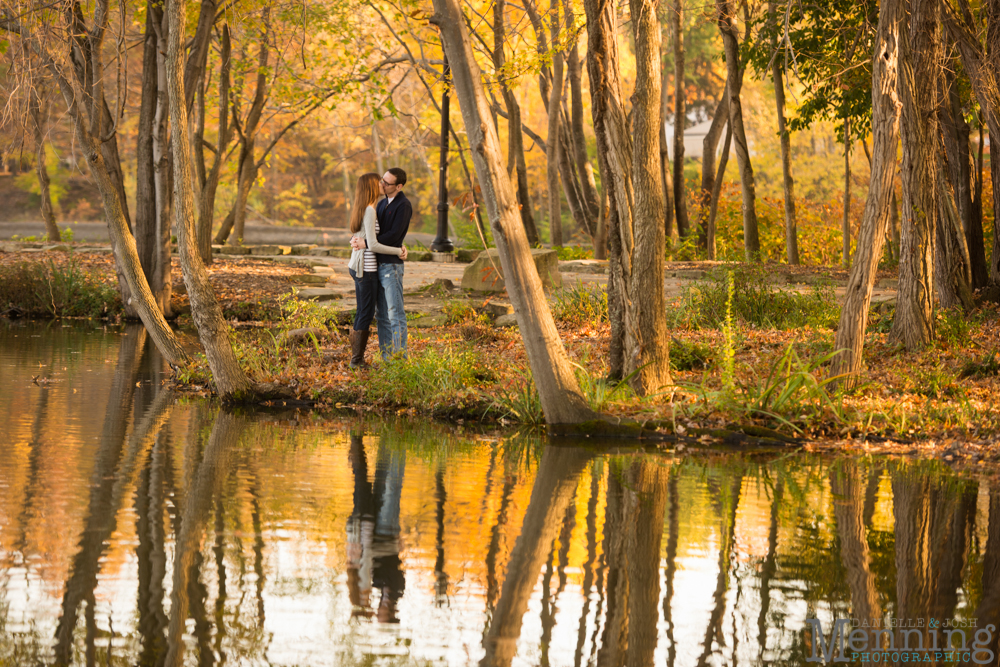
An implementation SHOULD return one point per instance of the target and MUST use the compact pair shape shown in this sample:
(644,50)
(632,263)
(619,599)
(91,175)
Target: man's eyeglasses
(385,182)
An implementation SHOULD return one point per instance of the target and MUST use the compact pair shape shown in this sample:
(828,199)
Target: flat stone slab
(319,294)
(319,252)
(234,250)
(302,248)
(486,274)
(270,250)
(58,247)
(466,255)
(428,321)
(497,309)
(509,320)
(310,279)
(584,266)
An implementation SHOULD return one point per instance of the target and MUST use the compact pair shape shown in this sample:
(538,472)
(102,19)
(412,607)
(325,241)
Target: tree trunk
(39,118)
(709,145)
(885,135)
(158,233)
(647,351)
(588,185)
(955,132)
(552,140)
(952,274)
(913,325)
(213,330)
(845,226)
(206,208)
(777,74)
(614,156)
(680,119)
(559,392)
(669,229)
(713,207)
(734,82)
(516,164)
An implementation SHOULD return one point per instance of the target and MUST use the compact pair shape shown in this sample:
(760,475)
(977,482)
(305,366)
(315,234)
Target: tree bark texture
(734,82)
(710,144)
(920,67)
(516,165)
(156,232)
(39,120)
(666,168)
(558,390)
(647,352)
(213,330)
(713,206)
(778,76)
(680,118)
(871,238)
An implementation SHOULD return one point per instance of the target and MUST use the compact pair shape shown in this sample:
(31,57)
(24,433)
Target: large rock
(485,274)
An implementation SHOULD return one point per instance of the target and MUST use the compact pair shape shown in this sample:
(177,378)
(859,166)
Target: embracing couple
(379,226)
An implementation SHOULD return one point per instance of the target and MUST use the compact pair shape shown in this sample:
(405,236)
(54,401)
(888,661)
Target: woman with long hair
(363,265)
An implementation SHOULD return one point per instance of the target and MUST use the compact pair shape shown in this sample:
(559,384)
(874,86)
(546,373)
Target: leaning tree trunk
(734,82)
(920,56)
(647,351)
(680,119)
(885,136)
(230,380)
(558,390)
(777,74)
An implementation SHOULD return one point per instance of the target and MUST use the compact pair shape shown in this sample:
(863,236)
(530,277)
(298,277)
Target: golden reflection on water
(137,527)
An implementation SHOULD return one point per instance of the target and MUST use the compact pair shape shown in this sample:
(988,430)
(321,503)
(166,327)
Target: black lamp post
(441,242)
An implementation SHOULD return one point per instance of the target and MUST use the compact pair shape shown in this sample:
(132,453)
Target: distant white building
(694,139)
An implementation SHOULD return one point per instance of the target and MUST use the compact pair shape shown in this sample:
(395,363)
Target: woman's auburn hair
(366,194)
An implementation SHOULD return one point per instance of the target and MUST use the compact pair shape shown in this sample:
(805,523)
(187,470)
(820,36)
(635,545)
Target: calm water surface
(139,528)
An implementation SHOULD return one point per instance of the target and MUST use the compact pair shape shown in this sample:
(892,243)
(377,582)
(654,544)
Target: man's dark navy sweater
(393,223)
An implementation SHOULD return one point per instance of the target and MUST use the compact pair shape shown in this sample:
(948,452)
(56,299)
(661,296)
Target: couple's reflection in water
(373,562)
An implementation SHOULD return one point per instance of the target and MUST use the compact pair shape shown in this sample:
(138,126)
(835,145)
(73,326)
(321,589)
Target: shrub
(755,301)
(50,290)
(581,304)
(430,377)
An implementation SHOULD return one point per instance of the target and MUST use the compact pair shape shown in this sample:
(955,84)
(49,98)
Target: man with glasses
(392,223)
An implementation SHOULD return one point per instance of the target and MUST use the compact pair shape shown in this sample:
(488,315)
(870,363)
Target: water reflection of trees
(608,547)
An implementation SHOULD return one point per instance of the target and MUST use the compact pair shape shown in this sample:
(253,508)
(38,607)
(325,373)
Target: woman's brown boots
(359,341)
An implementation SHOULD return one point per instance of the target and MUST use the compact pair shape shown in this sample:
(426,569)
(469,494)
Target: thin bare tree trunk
(709,145)
(885,136)
(734,82)
(920,66)
(158,234)
(552,139)
(713,206)
(558,390)
(39,118)
(206,208)
(952,273)
(669,229)
(231,382)
(848,492)
(588,184)
(845,226)
(516,165)
(680,118)
(777,74)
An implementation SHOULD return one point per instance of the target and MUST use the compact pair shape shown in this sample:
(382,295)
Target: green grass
(429,378)
(756,301)
(581,304)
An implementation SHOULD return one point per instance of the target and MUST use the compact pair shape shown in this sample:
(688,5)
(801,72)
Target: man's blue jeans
(389,313)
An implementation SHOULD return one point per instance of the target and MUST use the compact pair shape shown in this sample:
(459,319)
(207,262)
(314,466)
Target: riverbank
(467,363)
